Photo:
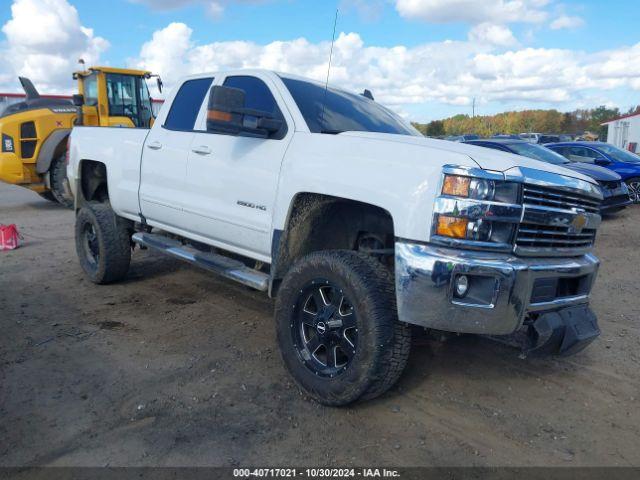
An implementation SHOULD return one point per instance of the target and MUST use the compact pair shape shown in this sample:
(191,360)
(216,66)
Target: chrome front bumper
(503,288)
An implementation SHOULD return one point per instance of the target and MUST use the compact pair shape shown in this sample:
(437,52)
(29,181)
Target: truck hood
(594,171)
(485,158)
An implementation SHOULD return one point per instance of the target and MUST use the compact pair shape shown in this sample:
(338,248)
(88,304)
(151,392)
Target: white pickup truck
(358,225)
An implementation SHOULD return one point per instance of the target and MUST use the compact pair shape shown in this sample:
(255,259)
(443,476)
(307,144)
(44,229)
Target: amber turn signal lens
(219,116)
(452,227)
(456,185)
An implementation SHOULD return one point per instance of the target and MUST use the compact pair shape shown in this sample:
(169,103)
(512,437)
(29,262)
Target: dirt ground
(176,367)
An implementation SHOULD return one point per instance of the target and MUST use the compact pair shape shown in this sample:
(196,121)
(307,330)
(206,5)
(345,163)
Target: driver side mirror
(602,161)
(226,113)
(78,99)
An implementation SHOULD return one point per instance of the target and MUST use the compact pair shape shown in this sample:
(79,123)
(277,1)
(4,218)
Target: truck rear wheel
(103,243)
(58,179)
(337,327)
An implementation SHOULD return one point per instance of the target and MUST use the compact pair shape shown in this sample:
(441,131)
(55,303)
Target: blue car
(614,191)
(624,163)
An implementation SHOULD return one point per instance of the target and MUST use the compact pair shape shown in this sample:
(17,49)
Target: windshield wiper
(332,132)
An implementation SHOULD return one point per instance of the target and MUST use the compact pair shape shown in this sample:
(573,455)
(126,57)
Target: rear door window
(186,104)
(582,154)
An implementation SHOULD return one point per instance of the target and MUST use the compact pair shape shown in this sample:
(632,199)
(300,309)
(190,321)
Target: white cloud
(490,34)
(566,21)
(446,72)
(44,40)
(474,11)
(165,52)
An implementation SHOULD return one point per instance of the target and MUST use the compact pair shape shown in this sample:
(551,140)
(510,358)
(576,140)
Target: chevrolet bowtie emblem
(578,223)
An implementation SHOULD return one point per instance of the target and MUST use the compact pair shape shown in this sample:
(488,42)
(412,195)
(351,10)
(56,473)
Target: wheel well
(60,149)
(321,222)
(93,176)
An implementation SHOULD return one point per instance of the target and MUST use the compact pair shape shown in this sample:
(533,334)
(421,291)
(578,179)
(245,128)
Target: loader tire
(58,179)
(337,327)
(103,243)
(48,196)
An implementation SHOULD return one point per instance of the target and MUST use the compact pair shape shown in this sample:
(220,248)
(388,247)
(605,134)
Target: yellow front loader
(34,132)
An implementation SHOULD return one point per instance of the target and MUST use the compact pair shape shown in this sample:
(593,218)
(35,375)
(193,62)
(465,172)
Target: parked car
(512,136)
(461,138)
(614,190)
(357,224)
(530,137)
(544,137)
(624,163)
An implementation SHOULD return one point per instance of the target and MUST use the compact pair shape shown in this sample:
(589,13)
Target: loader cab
(114,97)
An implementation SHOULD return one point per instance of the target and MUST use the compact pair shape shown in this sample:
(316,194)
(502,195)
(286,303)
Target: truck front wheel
(337,327)
(103,243)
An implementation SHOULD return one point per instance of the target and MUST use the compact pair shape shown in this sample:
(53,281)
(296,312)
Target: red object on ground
(9,237)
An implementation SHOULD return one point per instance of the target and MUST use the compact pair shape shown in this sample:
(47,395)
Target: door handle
(154,145)
(202,150)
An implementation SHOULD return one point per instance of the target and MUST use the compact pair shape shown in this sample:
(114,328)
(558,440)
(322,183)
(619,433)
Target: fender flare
(48,149)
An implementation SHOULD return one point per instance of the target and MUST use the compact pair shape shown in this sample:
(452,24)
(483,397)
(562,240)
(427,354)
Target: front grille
(541,234)
(553,198)
(551,288)
(547,237)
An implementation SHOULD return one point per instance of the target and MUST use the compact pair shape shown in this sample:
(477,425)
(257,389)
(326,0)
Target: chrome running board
(227,267)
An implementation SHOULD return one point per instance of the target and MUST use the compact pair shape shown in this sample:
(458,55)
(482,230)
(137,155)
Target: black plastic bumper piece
(563,332)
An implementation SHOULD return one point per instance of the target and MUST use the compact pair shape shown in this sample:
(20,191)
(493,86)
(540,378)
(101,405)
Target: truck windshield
(129,97)
(337,111)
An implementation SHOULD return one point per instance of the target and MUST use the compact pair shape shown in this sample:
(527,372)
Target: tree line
(541,121)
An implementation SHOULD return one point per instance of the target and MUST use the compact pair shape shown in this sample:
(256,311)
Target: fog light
(461,285)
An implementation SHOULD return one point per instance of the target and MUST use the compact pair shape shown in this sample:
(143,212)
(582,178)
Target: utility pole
(473,108)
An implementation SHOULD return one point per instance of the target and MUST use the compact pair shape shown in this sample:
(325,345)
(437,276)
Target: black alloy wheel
(91,244)
(634,189)
(324,329)
(103,243)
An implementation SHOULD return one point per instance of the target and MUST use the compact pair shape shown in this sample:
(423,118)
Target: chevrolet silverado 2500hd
(358,225)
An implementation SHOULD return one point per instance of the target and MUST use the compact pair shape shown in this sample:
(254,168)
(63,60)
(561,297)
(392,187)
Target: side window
(582,154)
(564,151)
(186,104)
(90,84)
(258,97)
(594,154)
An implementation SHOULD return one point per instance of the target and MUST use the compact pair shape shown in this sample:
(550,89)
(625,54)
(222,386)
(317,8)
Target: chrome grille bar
(549,225)
(533,195)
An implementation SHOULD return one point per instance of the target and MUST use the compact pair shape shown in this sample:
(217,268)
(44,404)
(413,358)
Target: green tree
(435,128)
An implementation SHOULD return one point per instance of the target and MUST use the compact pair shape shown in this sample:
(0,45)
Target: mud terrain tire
(358,284)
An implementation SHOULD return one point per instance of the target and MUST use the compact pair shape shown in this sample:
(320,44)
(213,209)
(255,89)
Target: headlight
(479,209)
(480,189)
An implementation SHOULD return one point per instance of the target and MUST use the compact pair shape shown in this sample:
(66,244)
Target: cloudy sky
(426,59)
